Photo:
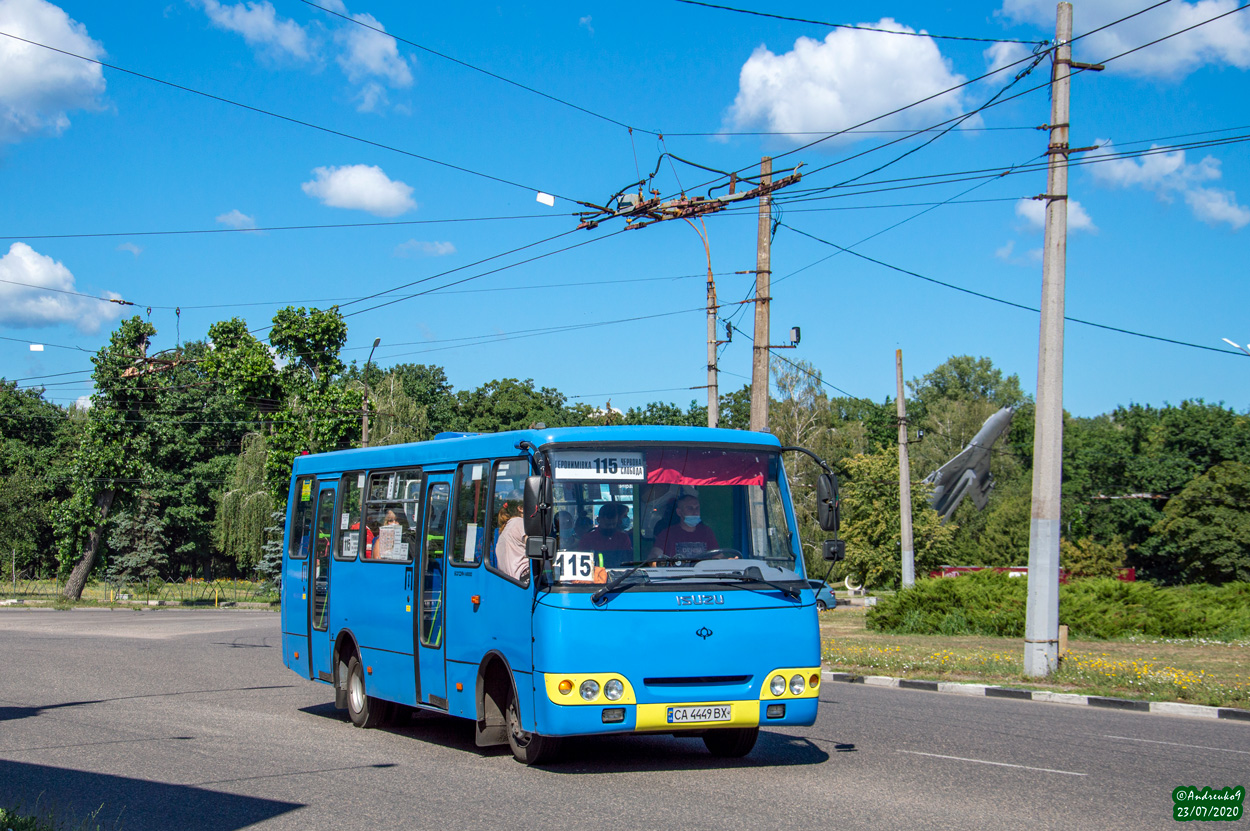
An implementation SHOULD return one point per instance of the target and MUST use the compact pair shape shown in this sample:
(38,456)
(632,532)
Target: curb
(1166,708)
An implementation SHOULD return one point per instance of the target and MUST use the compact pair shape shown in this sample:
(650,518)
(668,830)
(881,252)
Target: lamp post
(1237,345)
(364,404)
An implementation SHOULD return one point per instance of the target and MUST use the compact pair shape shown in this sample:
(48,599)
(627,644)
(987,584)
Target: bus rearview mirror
(540,548)
(834,550)
(828,512)
(537,507)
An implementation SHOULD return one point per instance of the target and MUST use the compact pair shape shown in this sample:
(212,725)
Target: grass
(1194,671)
(16,819)
(188,593)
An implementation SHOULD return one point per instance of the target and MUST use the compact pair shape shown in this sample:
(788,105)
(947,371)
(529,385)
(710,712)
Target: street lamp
(1236,346)
(364,404)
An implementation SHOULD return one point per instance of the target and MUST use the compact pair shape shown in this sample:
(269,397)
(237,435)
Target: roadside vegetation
(1193,670)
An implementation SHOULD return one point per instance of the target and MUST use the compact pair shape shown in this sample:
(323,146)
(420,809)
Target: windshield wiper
(616,582)
(749,575)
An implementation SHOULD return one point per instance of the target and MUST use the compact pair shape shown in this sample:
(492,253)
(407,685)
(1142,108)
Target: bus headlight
(777,685)
(590,689)
(613,690)
(796,684)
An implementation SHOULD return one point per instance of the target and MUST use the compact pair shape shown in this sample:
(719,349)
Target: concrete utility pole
(904,481)
(1041,625)
(713,391)
(763,264)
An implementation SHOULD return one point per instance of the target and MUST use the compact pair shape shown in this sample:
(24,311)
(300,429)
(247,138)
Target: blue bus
(548,583)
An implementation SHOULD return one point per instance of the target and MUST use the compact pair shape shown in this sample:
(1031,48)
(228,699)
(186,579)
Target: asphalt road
(187,719)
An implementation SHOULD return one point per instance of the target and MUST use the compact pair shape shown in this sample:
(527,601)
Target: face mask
(691,520)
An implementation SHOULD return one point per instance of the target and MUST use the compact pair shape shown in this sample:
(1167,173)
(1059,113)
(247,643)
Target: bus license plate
(711,712)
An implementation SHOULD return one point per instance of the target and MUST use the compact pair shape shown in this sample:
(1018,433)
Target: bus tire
(732,742)
(528,748)
(363,709)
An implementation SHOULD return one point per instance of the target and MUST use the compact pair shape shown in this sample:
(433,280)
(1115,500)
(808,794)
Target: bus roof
(456,447)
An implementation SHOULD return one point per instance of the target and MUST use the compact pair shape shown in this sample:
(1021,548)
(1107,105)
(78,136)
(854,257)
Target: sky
(424,167)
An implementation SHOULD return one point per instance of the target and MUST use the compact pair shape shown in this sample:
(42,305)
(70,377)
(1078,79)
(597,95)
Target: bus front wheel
(529,748)
(363,709)
(731,742)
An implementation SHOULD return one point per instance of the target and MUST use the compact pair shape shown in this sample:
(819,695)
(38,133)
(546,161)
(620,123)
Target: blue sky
(1158,242)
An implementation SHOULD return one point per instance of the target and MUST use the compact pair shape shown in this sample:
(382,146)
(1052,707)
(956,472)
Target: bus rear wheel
(363,709)
(529,748)
(732,742)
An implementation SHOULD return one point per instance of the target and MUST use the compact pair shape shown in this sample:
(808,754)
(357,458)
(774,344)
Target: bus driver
(686,538)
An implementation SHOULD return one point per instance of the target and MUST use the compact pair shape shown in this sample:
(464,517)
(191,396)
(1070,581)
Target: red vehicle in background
(1127,575)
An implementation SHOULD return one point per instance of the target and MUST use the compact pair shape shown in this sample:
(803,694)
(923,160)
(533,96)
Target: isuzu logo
(700,600)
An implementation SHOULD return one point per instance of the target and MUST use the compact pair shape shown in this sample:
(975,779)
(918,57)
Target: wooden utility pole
(763,272)
(904,481)
(1041,622)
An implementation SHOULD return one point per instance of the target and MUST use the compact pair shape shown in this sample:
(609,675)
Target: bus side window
(507,494)
(391,512)
(471,502)
(302,520)
(351,486)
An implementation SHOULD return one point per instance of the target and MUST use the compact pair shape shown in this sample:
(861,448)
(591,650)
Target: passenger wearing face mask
(687,538)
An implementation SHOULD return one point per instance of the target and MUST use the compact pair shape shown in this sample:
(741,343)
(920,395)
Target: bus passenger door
(294,583)
(319,594)
(429,614)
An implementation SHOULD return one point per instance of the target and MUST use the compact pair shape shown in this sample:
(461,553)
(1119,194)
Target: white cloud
(131,247)
(372,98)
(417,248)
(1004,54)
(360,187)
(371,54)
(83,402)
(260,27)
(1168,175)
(1005,252)
(1033,211)
(1215,205)
(586,23)
(237,219)
(849,77)
(38,86)
(26,307)
(1224,42)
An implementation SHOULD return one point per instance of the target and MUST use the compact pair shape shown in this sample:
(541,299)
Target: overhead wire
(291,119)
(268,228)
(487,72)
(860,27)
(1011,303)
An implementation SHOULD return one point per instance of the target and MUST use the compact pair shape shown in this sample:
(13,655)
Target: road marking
(1178,744)
(997,764)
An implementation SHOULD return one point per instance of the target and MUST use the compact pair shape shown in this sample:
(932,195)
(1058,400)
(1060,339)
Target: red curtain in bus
(681,466)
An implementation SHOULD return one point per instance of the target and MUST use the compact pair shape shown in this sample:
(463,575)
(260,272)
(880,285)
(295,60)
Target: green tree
(1086,558)
(1204,535)
(871,523)
(36,441)
(244,506)
(114,451)
(965,378)
(508,404)
(305,406)
(137,541)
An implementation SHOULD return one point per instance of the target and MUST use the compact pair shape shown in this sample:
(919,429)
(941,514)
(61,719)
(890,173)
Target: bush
(991,603)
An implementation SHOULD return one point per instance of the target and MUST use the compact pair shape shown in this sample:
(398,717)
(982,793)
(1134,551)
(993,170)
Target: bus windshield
(676,511)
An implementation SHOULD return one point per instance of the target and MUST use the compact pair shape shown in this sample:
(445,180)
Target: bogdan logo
(1190,803)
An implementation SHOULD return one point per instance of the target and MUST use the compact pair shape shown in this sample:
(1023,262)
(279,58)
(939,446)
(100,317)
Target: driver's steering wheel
(720,554)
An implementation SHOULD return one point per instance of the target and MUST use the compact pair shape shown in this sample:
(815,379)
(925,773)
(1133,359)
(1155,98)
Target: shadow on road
(607,754)
(12,713)
(133,804)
